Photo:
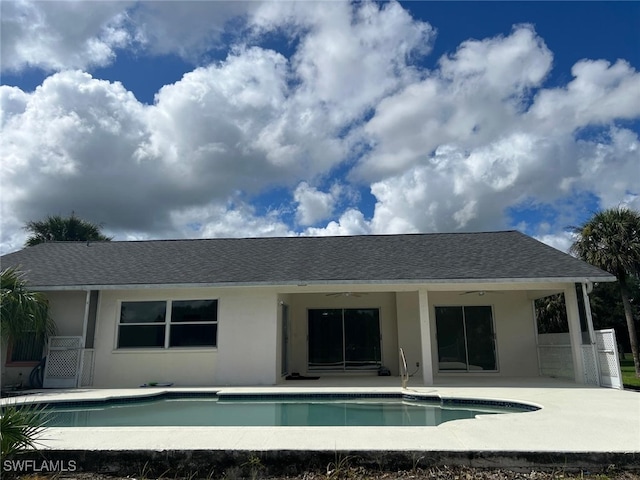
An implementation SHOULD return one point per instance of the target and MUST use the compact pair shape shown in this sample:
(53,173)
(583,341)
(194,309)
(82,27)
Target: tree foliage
(551,314)
(608,311)
(23,311)
(611,240)
(63,229)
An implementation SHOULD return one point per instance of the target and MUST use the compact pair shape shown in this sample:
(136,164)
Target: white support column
(575,332)
(425,337)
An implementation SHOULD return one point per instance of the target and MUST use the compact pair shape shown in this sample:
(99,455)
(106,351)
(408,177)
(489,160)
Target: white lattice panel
(606,339)
(64,343)
(610,375)
(608,364)
(63,362)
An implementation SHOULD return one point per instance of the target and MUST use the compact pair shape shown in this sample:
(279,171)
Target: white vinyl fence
(610,374)
(600,361)
(63,362)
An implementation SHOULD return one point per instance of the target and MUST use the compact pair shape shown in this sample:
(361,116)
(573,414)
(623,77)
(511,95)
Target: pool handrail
(404,371)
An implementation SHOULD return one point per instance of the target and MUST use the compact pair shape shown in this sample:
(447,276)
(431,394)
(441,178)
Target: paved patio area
(572,419)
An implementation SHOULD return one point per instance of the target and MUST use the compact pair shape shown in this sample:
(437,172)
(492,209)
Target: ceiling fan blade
(345,294)
(482,292)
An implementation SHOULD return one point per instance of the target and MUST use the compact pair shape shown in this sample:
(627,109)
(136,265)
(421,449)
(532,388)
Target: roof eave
(305,283)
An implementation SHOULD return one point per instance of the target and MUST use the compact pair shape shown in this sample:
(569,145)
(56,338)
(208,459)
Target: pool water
(274,412)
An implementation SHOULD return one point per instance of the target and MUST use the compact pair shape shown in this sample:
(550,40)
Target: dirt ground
(350,473)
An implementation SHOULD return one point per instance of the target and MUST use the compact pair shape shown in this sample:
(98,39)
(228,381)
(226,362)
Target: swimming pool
(280,410)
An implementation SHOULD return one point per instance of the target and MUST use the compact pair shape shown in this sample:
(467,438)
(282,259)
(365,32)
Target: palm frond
(20,427)
(23,311)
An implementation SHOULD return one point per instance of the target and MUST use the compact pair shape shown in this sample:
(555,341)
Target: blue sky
(204,119)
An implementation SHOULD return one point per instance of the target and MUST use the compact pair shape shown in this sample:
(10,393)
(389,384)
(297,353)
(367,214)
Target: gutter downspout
(592,335)
(83,342)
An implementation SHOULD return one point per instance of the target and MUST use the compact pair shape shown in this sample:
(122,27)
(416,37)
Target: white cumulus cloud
(57,35)
(343,108)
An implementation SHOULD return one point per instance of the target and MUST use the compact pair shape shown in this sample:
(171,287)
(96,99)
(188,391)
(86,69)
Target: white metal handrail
(404,371)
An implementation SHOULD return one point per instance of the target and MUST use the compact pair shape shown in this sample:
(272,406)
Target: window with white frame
(167,324)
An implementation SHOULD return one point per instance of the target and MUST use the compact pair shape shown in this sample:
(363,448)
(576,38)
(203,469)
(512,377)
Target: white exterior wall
(249,350)
(516,335)
(67,311)
(246,351)
(408,315)
(248,338)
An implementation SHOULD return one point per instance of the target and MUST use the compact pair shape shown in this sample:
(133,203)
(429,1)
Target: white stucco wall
(409,329)
(246,345)
(250,333)
(67,310)
(247,338)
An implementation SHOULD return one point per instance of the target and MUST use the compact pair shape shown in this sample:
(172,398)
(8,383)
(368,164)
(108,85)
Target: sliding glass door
(466,339)
(344,339)
(326,340)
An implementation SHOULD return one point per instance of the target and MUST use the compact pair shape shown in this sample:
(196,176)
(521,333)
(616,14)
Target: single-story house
(250,311)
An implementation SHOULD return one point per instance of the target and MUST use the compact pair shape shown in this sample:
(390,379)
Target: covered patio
(451,334)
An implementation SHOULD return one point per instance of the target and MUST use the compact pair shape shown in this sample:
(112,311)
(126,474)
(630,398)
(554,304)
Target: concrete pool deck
(572,419)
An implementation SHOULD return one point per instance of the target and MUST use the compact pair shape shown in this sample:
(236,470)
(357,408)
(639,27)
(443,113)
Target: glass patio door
(466,338)
(344,339)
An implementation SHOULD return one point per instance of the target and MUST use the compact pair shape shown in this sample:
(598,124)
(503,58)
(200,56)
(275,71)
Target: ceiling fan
(481,293)
(346,294)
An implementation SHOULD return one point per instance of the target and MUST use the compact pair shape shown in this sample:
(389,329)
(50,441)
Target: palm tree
(611,240)
(551,314)
(23,311)
(57,228)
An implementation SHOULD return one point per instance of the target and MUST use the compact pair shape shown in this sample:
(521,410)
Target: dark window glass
(194,311)
(362,338)
(480,341)
(346,339)
(325,339)
(28,349)
(193,335)
(193,324)
(465,338)
(141,336)
(451,342)
(143,312)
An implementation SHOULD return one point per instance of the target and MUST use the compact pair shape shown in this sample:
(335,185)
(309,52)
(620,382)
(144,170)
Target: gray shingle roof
(293,260)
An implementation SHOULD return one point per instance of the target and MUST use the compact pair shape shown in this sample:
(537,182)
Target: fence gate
(63,362)
(610,374)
